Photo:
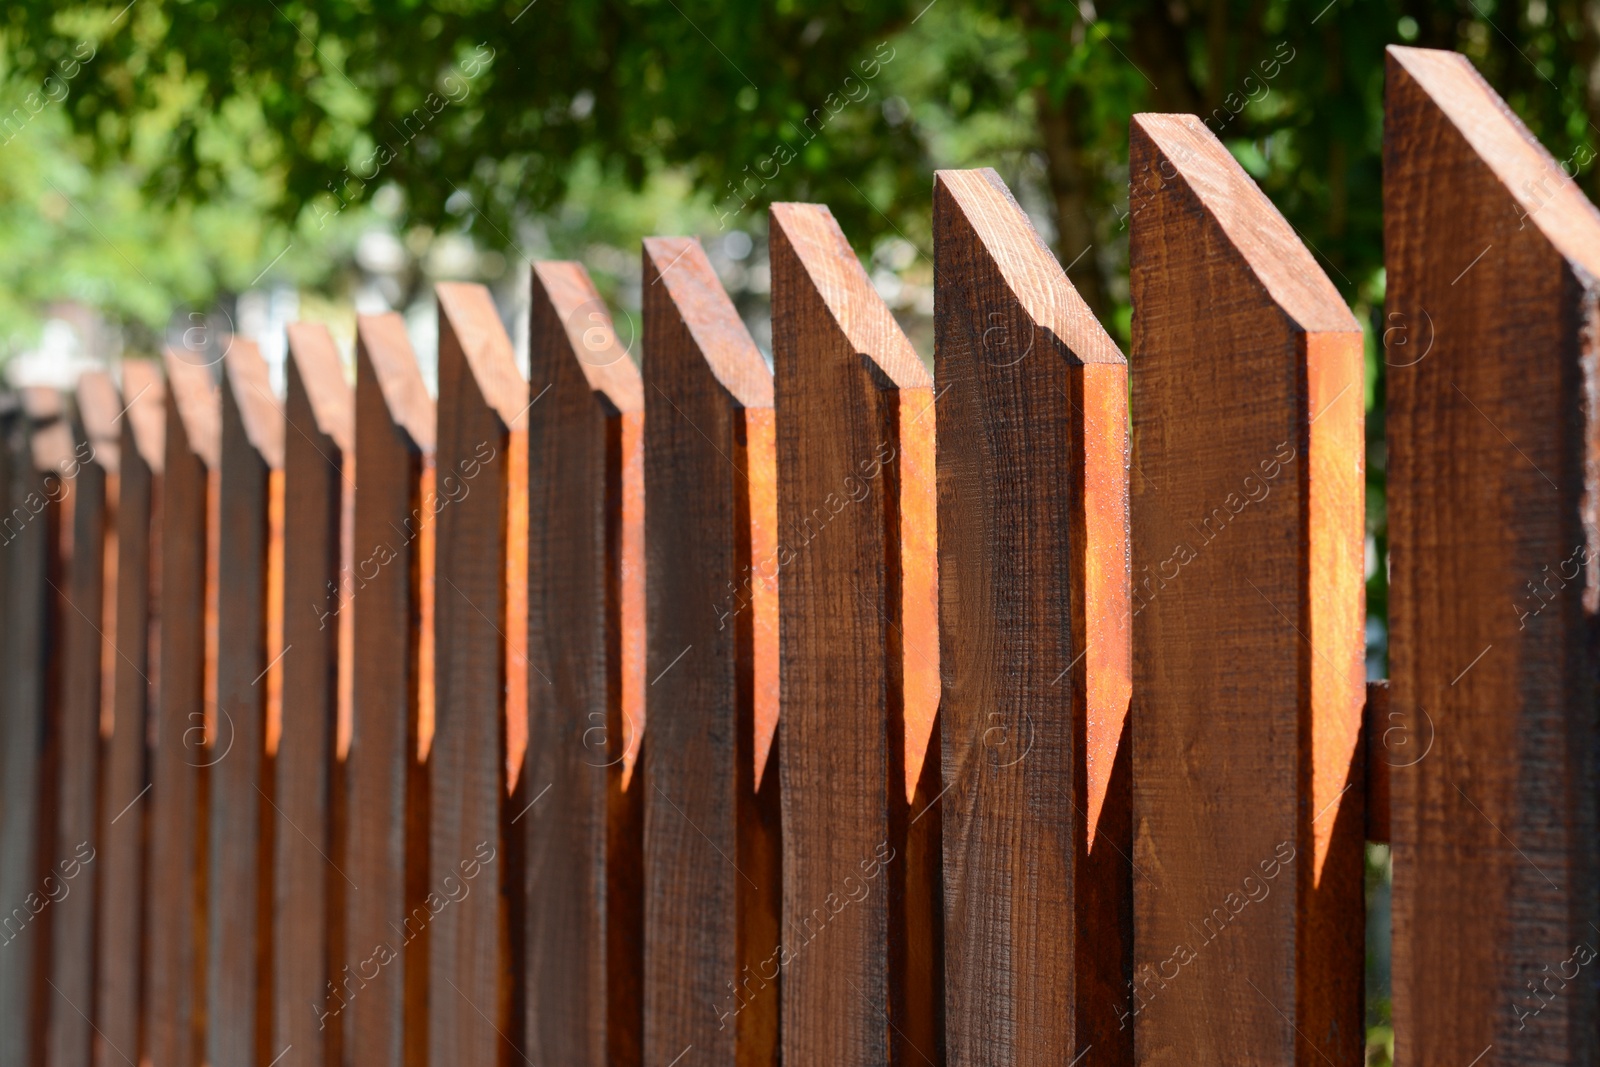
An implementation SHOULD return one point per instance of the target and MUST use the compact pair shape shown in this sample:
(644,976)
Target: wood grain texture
(91,468)
(175,910)
(243,815)
(585,707)
(34,880)
(1248,615)
(713,848)
(311,887)
(480,727)
(388,591)
(860,864)
(125,720)
(1036,642)
(1493,255)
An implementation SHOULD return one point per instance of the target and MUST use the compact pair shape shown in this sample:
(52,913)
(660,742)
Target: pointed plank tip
(812,235)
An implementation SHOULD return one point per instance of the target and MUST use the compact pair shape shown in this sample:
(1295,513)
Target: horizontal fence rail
(673,707)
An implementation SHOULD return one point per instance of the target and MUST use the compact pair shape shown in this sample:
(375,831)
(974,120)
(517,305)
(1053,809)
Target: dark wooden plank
(1493,255)
(1248,680)
(388,591)
(1036,643)
(480,726)
(860,656)
(585,690)
(139,424)
(713,845)
(242,816)
(174,974)
(34,880)
(311,884)
(80,592)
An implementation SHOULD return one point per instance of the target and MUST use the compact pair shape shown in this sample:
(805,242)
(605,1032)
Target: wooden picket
(310,887)
(1248,679)
(859,659)
(1494,272)
(673,710)
(1036,631)
(125,709)
(712,850)
(382,1011)
(582,820)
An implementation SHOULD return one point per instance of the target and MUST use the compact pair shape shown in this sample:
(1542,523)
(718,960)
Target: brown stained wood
(1248,616)
(125,803)
(1036,643)
(1493,255)
(91,468)
(479,730)
(713,847)
(175,909)
(862,911)
(34,878)
(243,814)
(584,818)
(387,590)
(312,889)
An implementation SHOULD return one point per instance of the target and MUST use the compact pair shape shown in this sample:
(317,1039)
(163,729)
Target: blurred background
(170,169)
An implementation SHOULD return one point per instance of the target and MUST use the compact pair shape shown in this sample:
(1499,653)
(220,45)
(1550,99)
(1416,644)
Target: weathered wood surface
(1036,642)
(312,887)
(860,660)
(33,878)
(175,909)
(583,820)
(479,730)
(242,814)
(388,592)
(80,590)
(1248,521)
(1493,255)
(124,819)
(713,847)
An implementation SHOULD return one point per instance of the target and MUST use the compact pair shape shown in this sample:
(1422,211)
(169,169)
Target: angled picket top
(582,819)
(75,726)
(712,834)
(387,591)
(480,726)
(34,877)
(310,885)
(1493,257)
(859,659)
(243,734)
(126,703)
(1248,677)
(1036,641)
(175,910)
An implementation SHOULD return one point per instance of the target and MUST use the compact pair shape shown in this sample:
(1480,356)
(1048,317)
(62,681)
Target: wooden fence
(837,714)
